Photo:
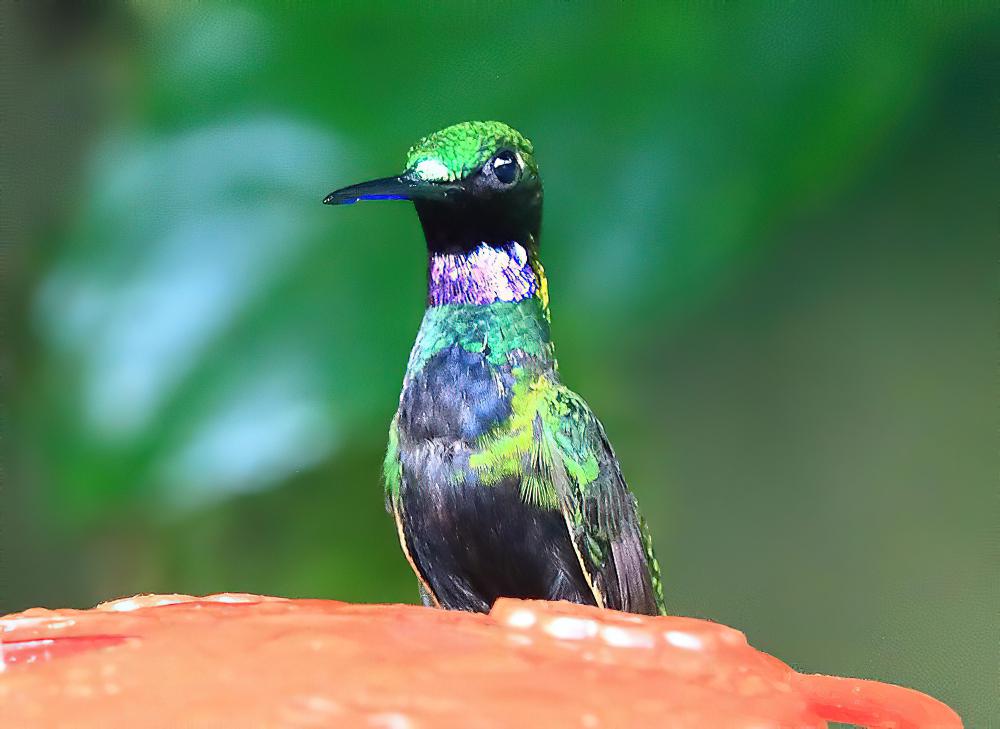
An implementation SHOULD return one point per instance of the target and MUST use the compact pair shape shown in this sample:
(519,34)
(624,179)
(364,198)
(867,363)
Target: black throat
(462,224)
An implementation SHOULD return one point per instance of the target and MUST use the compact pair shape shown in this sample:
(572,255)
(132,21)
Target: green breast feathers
(548,441)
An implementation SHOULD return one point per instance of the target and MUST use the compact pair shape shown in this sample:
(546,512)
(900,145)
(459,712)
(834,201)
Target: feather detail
(553,442)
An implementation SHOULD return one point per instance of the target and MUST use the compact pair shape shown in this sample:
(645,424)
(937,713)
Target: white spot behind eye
(432,169)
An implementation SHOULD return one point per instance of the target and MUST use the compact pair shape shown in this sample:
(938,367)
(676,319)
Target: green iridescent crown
(453,152)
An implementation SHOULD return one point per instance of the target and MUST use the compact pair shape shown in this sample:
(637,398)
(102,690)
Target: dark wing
(603,516)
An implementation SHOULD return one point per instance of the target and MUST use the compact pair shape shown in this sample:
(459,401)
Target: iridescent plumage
(501,480)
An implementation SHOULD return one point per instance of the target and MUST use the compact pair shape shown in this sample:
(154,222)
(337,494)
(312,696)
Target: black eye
(505,168)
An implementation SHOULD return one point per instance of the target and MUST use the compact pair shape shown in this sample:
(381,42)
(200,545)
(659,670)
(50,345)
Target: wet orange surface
(251,661)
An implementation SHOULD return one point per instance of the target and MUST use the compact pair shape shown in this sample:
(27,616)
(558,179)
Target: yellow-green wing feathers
(609,527)
(557,447)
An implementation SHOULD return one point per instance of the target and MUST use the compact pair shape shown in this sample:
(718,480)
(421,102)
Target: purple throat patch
(485,275)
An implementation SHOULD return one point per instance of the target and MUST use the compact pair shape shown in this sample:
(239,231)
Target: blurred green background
(770,235)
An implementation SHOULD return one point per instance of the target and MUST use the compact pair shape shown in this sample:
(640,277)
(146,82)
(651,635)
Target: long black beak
(392,188)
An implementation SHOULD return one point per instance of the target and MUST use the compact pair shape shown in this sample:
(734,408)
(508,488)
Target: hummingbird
(500,479)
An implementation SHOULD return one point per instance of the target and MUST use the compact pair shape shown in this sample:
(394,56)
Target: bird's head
(471,183)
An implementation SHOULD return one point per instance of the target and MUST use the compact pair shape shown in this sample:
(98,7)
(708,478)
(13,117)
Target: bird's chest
(446,408)
(459,381)
(457,396)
